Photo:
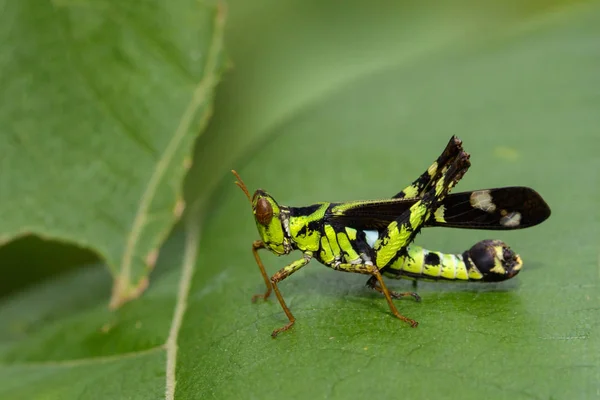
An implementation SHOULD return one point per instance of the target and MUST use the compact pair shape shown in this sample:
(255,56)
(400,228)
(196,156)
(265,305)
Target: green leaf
(60,341)
(100,105)
(331,105)
(521,91)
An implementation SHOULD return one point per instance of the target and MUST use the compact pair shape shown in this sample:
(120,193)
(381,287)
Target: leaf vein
(193,224)
(86,361)
(199,97)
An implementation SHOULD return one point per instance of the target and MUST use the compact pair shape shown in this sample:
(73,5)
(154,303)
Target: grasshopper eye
(264,211)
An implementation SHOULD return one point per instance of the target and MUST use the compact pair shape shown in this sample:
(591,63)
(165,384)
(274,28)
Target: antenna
(241,184)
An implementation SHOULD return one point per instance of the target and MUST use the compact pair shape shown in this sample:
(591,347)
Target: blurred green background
(334,101)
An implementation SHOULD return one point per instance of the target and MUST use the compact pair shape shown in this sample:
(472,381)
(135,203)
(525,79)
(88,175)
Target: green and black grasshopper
(373,237)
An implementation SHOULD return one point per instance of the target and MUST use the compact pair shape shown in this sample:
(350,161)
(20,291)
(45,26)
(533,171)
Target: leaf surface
(521,91)
(101,104)
(304,116)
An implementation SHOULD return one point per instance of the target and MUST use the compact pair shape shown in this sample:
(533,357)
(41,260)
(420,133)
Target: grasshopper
(374,237)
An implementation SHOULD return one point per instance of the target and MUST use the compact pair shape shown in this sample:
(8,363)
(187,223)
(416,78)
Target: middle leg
(372,283)
(372,270)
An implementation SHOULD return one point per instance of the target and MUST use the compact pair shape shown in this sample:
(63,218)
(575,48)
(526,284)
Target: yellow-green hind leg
(432,174)
(419,187)
(400,233)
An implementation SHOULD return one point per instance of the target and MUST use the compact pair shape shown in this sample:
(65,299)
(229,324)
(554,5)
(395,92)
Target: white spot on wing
(482,199)
(511,219)
(371,237)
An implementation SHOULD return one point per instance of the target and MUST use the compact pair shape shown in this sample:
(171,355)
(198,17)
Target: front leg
(402,231)
(257,245)
(278,277)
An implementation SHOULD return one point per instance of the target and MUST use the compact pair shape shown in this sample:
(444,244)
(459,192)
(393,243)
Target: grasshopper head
(267,215)
(268,221)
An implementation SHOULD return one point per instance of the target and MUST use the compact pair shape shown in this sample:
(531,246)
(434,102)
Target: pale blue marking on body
(371,237)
